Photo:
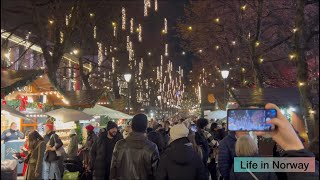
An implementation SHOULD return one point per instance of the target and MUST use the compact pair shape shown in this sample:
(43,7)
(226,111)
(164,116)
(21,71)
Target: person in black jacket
(179,160)
(135,157)
(101,152)
(286,137)
(51,160)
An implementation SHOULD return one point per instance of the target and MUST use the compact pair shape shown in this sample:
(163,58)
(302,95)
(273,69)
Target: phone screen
(193,127)
(250,119)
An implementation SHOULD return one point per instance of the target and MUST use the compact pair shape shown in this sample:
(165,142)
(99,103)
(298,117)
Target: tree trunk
(302,70)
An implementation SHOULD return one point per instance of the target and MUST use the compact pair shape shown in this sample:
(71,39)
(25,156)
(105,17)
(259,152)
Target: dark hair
(139,123)
(167,122)
(156,138)
(181,120)
(149,129)
(27,135)
(34,138)
(224,123)
(202,123)
(213,126)
(314,147)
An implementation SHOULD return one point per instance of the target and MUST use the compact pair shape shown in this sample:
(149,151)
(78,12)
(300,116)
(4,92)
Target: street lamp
(225,74)
(127,77)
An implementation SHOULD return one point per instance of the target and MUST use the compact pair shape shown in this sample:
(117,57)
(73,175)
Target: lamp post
(127,77)
(225,74)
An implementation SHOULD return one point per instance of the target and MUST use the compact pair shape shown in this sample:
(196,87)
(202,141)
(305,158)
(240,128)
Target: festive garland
(34,105)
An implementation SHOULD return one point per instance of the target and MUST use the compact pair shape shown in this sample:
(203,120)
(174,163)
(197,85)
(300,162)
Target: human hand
(8,134)
(283,134)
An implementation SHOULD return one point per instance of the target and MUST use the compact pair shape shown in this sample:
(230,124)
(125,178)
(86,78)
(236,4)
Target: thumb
(274,121)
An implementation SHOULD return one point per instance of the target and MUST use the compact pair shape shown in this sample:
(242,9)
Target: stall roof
(12,79)
(258,97)
(84,98)
(98,110)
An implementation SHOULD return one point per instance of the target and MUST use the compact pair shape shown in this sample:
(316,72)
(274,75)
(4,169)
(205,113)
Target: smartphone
(250,119)
(193,127)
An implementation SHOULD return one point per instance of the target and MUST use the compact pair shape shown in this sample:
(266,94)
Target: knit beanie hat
(89,127)
(139,123)
(178,131)
(111,125)
(50,126)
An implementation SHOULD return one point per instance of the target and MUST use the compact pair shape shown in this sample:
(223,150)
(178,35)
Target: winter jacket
(35,162)
(15,135)
(300,176)
(92,137)
(51,155)
(24,154)
(101,155)
(248,176)
(180,161)
(134,158)
(73,147)
(226,154)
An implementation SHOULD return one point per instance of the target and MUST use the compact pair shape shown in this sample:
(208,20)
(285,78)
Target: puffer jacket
(180,161)
(134,158)
(226,154)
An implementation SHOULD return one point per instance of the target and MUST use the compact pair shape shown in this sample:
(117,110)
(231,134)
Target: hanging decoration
(4,102)
(123,18)
(131,25)
(95,32)
(100,53)
(165,30)
(140,33)
(147,4)
(23,102)
(156,5)
(61,37)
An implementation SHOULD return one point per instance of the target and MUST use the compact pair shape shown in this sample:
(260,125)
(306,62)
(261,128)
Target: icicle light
(123,18)
(147,5)
(95,32)
(113,64)
(140,33)
(131,25)
(114,31)
(156,5)
(165,30)
(166,50)
(100,53)
(61,37)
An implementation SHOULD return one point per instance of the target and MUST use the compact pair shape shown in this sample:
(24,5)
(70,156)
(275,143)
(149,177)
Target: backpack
(204,145)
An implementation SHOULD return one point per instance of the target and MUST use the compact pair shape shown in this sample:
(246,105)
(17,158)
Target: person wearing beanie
(85,150)
(101,152)
(180,160)
(135,157)
(73,145)
(51,169)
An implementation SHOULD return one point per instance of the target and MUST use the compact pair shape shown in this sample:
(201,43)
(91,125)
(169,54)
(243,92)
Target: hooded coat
(180,161)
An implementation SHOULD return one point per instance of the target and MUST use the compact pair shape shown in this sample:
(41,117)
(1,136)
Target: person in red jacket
(24,153)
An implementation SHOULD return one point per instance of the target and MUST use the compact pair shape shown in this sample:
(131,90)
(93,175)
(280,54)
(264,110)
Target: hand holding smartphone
(250,119)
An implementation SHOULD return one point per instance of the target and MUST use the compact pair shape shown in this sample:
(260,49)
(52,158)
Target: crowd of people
(153,150)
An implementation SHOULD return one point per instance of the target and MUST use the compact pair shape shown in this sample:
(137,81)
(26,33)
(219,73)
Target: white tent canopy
(219,114)
(98,110)
(68,115)
(7,110)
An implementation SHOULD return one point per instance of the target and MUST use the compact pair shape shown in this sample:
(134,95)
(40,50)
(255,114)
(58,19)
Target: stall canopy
(98,110)
(12,79)
(68,115)
(219,114)
(260,97)
(6,110)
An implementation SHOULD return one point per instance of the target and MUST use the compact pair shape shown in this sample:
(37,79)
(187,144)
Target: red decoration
(40,105)
(23,102)
(4,102)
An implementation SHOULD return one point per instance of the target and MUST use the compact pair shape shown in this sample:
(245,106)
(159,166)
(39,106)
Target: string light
(292,56)
(200,51)
(217,47)
(243,69)
(113,64)
(61,37)
(95,32)
(123,18)
(233,42)
(301,83)
(91,15)
(166,50)
(243,7)
(140,33)
(183,53)
(295,30)
(51,21)
(190,28)
(217,20)
(100,53)
(67,20)
(257,43)
(131,25)
(165,31)
(261,60)
(156,5)
(147,4)
(115,31)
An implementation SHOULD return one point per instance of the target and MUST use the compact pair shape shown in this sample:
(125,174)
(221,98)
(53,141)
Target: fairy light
(292,56)
(8,54)
(156,5)
(67,20)
(301,83)
(243,69)
(261,60)
(51,21)
(141,67)
(61,37)
(190,28)
(140,33)
(257,43)
(217,20)
(123,18)
(115,31)
(166,50)
(128,43)
(95,32)
(243,7)
(217,47)
(147,4)
(131,25)
(233,42)
(91,15)
(295,30)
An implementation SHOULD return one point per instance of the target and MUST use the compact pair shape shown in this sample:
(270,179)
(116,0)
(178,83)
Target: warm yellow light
(238,59)
(200,51)
(217,47)
(7,55)
(312,112)
(243,7)
(190,28)
(233,42)
(301,83)
(91,14)
(51,21)
(75,51)
(257,43)
(243,69)
(292,56)
(261,60)
(217,20)
(295,30)
(114,24)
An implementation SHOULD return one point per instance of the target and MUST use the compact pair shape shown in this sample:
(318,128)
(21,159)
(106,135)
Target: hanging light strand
(123,18)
